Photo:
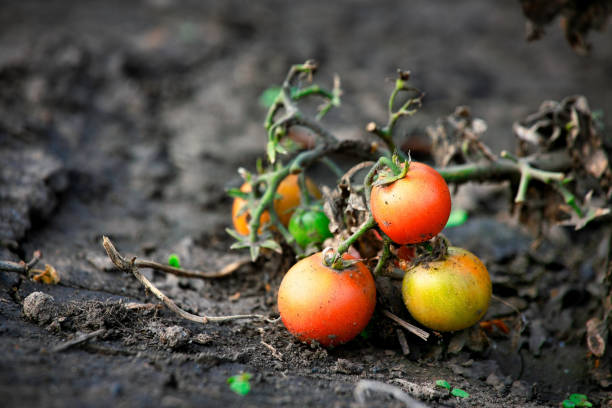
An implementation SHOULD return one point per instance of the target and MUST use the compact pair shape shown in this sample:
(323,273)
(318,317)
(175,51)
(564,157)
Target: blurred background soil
(129,119)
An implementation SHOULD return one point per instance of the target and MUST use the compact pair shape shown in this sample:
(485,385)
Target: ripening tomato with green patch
(449,294)
(318,303)
(414,208)
(309,226)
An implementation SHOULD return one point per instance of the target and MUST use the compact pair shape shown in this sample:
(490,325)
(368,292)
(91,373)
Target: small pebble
(348,367)
(174,336)
(116,389)
(39,307)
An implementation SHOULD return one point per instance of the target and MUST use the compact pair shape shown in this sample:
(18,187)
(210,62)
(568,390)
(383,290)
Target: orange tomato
(320,304)
(449,294)
(412,209)
(241,221)
(289,192)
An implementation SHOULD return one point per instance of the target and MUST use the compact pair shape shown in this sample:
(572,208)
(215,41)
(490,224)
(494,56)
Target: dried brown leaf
(597,334)
(49,276)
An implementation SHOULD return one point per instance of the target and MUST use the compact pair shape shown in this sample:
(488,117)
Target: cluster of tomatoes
(308,226)
(319,302)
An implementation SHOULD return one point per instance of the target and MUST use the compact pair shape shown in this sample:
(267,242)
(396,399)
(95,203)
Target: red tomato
(320,304)
(412,209)
(449,294)
(406,253)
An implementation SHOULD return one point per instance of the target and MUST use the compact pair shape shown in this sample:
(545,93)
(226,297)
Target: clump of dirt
(40,307)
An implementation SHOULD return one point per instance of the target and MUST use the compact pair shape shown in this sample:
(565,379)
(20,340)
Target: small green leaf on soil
(578,398)
(567,404)
(174,261)
(458,392)
(457,218)
(240,383)
(443,384)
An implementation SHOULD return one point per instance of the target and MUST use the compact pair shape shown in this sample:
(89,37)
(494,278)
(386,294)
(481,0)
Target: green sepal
(273,245)
(271,150)
(254,250)
(236,193)
(281,149)
(234,234)
(240,245)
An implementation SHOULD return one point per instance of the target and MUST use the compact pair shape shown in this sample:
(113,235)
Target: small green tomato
(309,226)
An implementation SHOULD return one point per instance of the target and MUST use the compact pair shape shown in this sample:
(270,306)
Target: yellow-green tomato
(309,226)
(449,294)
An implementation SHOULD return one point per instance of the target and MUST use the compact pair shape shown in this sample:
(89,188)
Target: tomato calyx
(431,251)
(335,260)
(265,240)
(397,168)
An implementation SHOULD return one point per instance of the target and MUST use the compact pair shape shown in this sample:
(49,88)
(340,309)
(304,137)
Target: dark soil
(129,119)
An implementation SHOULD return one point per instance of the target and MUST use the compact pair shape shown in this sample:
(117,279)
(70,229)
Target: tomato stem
(404,100)
(332,166)
(382,261)
(345,245)
(528,173)
(304,195)
(408,108)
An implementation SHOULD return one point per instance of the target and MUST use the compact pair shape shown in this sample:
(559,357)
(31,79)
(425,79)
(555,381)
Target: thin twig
(346,178)
(505,302)
(21,267)
(401,337)
(130,266)
(274,352)
(410,327)
(225,271)
(270,347)
(332,166)
(370,385)
(142,306)
(80,339)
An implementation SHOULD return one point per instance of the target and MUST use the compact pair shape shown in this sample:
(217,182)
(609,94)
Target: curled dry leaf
(597,334)
(567,126)
(456,138)
(48,276)
(591,211)
(346,208)
(577,19)
(332,207)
